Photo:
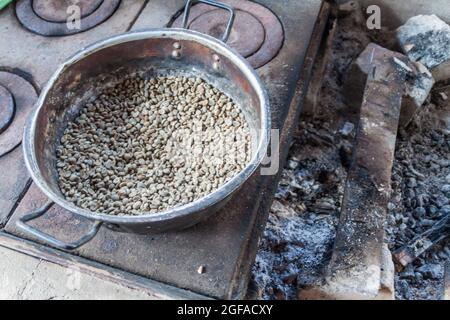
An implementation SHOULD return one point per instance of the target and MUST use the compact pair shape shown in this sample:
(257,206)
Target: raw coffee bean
(148,145)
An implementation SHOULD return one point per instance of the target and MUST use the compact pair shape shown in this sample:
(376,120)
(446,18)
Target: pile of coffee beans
(148,145)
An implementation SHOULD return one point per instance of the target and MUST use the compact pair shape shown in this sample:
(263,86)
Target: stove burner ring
(7,108)
(56,11)
(17,97)
(246,42)
(257,45)
(47,17)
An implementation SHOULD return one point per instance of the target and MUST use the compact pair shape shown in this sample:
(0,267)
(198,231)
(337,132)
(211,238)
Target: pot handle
(230,9)
(21,223)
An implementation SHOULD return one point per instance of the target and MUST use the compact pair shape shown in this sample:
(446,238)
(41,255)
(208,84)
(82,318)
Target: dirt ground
(300,232)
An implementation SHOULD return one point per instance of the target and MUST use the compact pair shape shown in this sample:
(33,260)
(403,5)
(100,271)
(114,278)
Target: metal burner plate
(257,33)
(48,17)
(56,11)
(24,95)
(6,108)
(247,41)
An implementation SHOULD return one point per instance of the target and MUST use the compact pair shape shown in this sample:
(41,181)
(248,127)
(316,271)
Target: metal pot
(147,53)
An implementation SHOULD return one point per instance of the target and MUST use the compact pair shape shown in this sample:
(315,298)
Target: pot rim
(198,205)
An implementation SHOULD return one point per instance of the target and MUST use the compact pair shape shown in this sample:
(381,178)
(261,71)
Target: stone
(427,222)
(430,271)
(445,188)
(408,272)
(411,182)
(441,201)
(292,164)
(445,209)
(418,85)
(403,288)
(426,39)
(419,212)
(347,129)
(391,206)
